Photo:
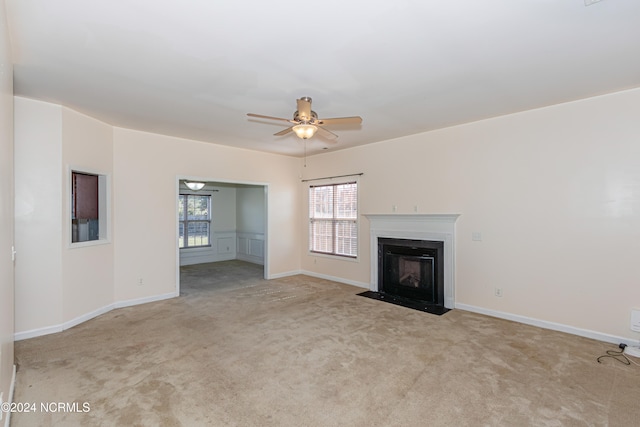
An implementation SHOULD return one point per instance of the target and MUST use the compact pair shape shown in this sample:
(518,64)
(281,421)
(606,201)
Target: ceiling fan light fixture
(306,122)
(195,186)
(305,131)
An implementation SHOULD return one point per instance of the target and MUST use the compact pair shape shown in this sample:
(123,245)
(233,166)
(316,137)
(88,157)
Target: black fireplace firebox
(410,273)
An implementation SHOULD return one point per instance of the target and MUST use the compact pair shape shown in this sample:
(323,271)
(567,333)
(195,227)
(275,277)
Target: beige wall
(38,215)
(6,208)
(57,286)
(87,272)
(223,209)
(146,170)
(70,285)
(250,210)
(555,193)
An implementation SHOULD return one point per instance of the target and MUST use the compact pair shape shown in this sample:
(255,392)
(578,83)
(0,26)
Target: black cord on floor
(617,355)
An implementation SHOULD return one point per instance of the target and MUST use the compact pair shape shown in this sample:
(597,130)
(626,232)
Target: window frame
(334,220)
(186,220)
(104,207)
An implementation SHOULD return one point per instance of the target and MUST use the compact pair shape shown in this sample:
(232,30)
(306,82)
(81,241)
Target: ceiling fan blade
(326,133)
(341,120)
(260,116)
(284,132)
(304,108)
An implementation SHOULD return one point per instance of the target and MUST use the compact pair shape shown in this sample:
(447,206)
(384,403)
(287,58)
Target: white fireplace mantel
(435,227)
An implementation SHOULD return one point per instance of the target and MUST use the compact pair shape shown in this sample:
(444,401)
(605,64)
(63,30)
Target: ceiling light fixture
(195,186)
(304,130)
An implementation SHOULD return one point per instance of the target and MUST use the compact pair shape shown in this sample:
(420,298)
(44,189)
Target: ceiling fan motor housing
(302,119)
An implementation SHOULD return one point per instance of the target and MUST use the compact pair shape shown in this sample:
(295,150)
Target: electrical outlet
(635,320)
(498,292)
(140,281)
(632,351)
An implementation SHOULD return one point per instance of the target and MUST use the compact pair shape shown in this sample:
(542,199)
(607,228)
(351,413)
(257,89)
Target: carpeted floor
(236,350)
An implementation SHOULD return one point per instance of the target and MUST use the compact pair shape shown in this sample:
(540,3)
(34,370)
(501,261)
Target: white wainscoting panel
(223,248)
(251,247)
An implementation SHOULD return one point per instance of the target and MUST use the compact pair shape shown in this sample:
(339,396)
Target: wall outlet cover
(632,351)
(635,320)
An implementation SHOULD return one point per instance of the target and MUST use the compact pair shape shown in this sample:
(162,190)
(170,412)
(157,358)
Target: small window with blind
(333,219)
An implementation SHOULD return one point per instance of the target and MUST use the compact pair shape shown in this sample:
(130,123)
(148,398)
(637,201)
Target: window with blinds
(333,219)
(194,214)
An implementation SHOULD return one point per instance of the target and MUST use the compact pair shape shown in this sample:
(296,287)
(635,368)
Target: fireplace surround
(436,228)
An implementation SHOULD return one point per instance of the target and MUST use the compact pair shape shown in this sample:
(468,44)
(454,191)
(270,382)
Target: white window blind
(194,212)
(333,219)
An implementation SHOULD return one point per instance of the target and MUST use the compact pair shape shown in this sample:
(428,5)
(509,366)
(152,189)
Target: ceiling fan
(306,122)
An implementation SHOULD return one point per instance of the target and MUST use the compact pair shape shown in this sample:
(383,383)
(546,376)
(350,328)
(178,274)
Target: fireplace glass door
(411,269)
(410,275)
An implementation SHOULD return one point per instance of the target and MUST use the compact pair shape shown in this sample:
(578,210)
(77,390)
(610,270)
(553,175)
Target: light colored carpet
(236,350)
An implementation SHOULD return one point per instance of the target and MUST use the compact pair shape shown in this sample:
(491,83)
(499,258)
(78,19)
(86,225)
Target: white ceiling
(194,68)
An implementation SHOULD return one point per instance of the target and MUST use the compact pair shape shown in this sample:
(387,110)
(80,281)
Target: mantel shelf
(413,217)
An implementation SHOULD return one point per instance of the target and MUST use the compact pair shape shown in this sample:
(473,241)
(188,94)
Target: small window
(89,208)
(333,219)
(194,213)
(85,207)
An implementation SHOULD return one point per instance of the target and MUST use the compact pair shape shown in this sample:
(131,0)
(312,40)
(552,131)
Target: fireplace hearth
(410,273)
(405,302)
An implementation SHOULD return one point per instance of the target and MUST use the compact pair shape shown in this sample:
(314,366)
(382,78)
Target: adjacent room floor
(237,350)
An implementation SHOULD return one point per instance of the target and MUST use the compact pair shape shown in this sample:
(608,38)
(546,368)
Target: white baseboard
(599,336)
(81,319)
(320,276)
(204,259)
(250,258)
(32,333)
(285,274)
(502,315)
(336,279)
(9,399)
(19,336)
(145,300)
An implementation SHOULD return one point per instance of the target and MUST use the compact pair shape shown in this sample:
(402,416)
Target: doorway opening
(221,221)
